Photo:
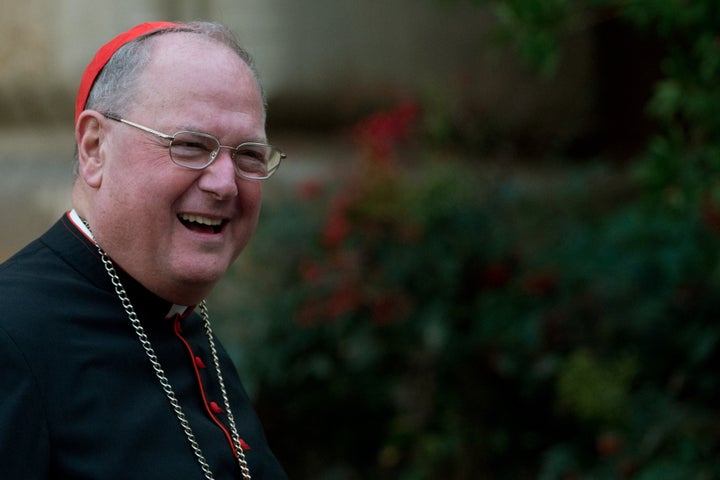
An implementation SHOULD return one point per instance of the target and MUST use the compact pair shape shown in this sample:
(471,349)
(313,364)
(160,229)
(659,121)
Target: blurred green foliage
(682,161)
(418,319)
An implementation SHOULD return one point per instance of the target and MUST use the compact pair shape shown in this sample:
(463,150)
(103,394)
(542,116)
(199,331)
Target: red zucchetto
(106,52)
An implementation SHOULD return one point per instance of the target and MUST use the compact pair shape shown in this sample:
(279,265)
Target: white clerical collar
(80,224)
(77,221)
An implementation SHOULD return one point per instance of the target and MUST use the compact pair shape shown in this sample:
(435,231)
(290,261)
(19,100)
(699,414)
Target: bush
(415,326)
(406,324)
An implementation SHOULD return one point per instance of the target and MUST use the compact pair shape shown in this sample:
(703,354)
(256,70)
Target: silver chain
(165,383)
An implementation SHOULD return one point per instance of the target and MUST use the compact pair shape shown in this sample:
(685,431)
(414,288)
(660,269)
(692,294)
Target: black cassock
(78,396)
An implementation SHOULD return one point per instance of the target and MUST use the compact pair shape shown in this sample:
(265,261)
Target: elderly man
(108,365)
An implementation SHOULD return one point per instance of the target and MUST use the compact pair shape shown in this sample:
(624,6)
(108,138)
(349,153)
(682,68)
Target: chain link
(162,378)
(226,401)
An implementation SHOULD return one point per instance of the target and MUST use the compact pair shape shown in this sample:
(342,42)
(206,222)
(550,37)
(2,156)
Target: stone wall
(320,60)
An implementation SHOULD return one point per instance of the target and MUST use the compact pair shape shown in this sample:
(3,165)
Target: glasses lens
(256,160)
(193,150)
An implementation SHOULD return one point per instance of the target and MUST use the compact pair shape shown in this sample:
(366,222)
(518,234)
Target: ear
(89,136)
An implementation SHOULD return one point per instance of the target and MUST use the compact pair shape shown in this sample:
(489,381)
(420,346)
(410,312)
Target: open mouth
(200,224)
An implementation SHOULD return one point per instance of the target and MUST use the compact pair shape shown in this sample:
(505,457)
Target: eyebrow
(195,129)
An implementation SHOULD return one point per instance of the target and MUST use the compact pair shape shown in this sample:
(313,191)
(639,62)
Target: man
(108,365)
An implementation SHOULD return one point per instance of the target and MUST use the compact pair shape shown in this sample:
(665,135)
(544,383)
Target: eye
(186,145)
(252,158)
(251,153)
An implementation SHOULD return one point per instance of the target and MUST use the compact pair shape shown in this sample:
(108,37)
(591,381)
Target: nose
(219,177)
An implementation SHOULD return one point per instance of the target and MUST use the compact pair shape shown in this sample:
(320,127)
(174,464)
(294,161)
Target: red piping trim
(78,233)
(206,403)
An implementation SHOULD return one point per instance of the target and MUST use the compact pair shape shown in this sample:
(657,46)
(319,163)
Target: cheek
(250,202)
(146,201)
(251,196)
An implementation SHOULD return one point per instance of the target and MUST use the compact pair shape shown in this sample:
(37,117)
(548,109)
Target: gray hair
(116,84)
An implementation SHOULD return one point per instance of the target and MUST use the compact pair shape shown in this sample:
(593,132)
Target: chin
(187,293)
(192,285)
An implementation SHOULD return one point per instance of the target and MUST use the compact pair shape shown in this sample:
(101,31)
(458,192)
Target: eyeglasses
(195,150)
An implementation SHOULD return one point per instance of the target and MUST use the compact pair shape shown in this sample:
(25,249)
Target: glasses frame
(213,154)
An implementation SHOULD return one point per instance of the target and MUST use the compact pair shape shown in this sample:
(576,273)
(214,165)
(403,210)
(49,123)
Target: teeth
(201,220)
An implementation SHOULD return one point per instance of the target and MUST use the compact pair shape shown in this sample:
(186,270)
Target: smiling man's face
(176,230)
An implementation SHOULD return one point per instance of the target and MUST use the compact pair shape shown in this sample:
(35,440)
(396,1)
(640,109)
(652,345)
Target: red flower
(495,275)
(310,272)
(336,230)
(710,214)
(343,300)
(540,284)
(609,444)
(337,227)
(383,130)
(310,314)
(391,308)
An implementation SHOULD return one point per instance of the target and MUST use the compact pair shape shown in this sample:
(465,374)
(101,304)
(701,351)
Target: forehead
(189,73)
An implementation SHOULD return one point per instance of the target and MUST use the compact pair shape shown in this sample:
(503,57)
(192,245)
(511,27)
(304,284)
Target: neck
(83,226)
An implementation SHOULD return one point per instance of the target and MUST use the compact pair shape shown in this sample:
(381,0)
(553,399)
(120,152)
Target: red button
(199,362)
(215,408)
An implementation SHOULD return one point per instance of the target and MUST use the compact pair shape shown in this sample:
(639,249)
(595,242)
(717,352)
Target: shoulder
(43,296)
(29,280)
